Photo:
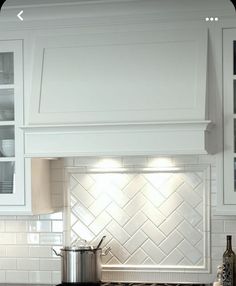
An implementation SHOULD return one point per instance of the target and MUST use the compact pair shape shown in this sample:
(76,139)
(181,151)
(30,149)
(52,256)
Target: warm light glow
(108,164)
(161,162)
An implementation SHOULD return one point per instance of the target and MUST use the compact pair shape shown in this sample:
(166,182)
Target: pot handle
(57,254)
(106,251)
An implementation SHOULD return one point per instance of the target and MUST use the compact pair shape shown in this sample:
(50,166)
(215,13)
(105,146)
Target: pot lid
(76,248)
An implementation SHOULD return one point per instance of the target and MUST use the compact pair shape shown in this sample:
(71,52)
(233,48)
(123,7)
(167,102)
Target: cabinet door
(229,100)
(11,115)
(105,76)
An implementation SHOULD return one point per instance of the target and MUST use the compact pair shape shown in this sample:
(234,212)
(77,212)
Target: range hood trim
(153,138)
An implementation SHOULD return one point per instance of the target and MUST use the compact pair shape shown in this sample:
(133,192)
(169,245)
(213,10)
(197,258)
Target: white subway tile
(7,263)
(50,264)
(2,251)
(27,238)
(2,276)
(85,161)
(51,238)
(40,251)
(8,238)
(16,226)
(17,251)
(27,264)
(68,162)
(39,226)
(42,277)
(2,226)
(56,277)
(8,217)
(17,276)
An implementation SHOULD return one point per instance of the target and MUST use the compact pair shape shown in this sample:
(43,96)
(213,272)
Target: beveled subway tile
(50,238)
(173,258)
(17,276)
(40,251)
(42,277)
(2,276)
(27,238)
(16,226)
(17,251)
(171,242)
(27,264)
(7,263)
(148,214)
(8,238)
(118,232)
(56,277)
(135,241)
(85,180)
(3,251)
(39,226)
(135,223)
(2,226)
(50,264)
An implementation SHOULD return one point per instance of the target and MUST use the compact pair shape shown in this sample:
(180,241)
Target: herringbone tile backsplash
(150,219)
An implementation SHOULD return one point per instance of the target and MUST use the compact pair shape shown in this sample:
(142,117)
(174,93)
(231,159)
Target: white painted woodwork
(107,76)
(226,198)
(11,129)
(31,191)
(146,139)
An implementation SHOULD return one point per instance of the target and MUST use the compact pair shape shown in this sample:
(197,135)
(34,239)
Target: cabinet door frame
(229,36)
(17,198)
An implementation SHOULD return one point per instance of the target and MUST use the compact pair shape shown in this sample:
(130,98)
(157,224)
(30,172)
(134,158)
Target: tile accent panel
(153,220)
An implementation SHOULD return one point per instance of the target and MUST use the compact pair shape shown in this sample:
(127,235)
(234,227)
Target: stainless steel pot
(81,264)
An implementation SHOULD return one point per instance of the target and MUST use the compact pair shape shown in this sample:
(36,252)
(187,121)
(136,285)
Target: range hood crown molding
(162,138)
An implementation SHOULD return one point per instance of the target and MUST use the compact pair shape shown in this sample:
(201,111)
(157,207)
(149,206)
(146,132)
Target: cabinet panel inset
(7,177)
(6,104)
(6,68)
(127,76)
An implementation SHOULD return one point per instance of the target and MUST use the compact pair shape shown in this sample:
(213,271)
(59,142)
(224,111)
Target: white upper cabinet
(125,74)
(11,117)
(24,183)
(227,198)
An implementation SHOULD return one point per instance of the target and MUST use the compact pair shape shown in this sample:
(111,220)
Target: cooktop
(133,284)
(151,284)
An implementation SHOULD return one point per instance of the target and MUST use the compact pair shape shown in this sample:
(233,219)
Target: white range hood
(119,80)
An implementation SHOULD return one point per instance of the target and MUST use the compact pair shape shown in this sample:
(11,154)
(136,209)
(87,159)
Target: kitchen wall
(25,248)
(25,241)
